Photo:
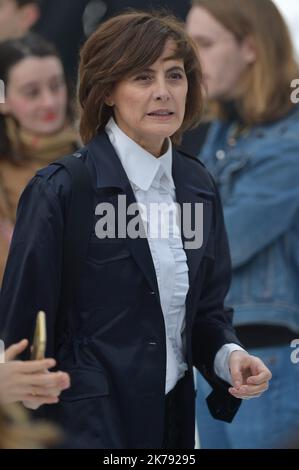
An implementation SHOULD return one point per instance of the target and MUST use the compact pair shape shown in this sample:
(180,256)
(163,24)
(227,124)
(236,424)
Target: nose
(161,92)
(47,99)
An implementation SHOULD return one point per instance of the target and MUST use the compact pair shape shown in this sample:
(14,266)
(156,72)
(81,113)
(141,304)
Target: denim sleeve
(264,201)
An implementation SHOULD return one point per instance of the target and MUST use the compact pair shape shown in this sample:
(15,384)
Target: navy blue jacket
(115,350)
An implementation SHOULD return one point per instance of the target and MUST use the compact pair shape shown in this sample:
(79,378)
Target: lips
(161,112)
(50,117)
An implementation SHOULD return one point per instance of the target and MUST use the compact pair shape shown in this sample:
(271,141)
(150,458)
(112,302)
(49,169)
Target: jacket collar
(141,167)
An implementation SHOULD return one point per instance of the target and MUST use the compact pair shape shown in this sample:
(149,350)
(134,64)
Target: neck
(156,146)
(155,150)
(231,111)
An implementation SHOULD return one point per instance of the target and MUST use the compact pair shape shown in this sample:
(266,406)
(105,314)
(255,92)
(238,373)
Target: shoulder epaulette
(190,156)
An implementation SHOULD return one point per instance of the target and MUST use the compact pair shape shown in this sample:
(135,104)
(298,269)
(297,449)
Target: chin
(52,129)
(164,129)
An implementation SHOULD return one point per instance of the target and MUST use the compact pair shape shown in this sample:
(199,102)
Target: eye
(204,43)
(176,76)
(143,78)
(31,93)
(57,85)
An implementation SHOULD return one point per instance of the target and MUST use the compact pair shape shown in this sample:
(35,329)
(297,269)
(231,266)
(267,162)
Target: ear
(29,14)
(249,50)
(109,100)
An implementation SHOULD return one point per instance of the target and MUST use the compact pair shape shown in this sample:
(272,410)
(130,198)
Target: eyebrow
(200,37)
(171,69)
(32,84)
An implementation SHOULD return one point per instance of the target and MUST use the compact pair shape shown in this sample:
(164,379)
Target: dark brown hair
(127,44)
(265,87)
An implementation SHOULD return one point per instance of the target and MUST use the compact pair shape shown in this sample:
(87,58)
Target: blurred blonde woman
(252,151)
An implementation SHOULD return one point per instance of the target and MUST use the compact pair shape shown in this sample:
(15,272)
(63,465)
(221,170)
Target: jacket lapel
(110,174)
(190,190)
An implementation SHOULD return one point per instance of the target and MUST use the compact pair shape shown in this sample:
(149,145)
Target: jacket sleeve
(33,272)
(213,327)
(264,201)
(5,229)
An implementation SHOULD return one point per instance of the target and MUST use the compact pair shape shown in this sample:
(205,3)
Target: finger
(263,376)
(257,367)
(44,392)
(65,380)
(236,375)
(58,380)
(251,389)
(31,367)
(243,396)
(248,389)
(15,349)
(34,402)
(238,394)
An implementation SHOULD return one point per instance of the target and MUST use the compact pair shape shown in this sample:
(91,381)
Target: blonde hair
(265,87)
(17,432)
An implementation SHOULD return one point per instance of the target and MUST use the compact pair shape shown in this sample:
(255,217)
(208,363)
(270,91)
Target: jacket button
(153,292)
(220,154)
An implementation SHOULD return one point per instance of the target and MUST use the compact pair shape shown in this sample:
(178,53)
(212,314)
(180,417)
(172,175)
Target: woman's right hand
(30,382)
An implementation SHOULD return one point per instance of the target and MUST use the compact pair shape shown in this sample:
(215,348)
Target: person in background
(17,17)
(147,306)
(17,431)
(29,382)
(67,36)
(35,122)
(252,150)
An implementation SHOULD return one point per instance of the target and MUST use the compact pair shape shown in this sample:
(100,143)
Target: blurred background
(68,23)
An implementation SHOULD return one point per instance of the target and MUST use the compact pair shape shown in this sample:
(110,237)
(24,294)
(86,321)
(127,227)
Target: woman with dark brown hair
(148,304)
(35,122)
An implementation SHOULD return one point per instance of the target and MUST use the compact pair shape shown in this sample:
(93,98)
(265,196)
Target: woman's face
(36,95)
(224,60)
(150,106)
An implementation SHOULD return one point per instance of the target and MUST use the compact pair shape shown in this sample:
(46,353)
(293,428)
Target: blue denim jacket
(258,178)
